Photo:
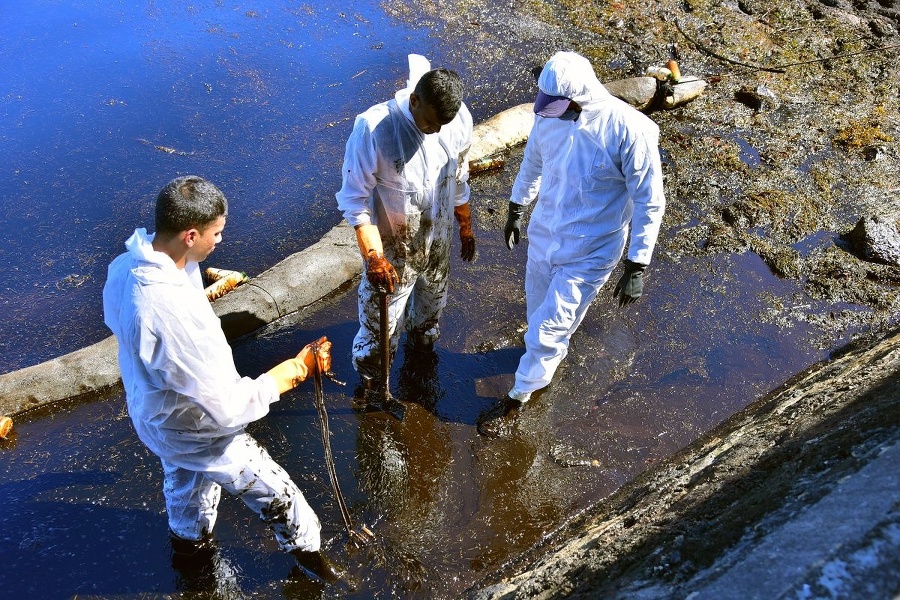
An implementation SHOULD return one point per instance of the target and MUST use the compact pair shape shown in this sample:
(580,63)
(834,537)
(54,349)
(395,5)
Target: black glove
(631,284)
(513,224)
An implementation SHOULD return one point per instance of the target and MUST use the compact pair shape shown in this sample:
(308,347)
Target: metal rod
(385,348)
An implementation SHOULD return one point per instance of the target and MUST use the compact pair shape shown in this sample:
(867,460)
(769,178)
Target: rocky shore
(712,520)
(791,154)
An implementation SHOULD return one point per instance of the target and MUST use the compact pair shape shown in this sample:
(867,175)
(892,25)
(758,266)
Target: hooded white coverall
(595,178)
(407,183)
(188,403)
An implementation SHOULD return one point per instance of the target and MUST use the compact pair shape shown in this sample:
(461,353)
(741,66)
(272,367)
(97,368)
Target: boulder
(875,239)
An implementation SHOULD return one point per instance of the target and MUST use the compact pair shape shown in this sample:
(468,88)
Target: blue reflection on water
(101,105)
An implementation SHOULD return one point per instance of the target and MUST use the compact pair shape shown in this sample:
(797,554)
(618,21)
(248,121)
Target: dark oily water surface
(102,105)
(260,101)
(446,505)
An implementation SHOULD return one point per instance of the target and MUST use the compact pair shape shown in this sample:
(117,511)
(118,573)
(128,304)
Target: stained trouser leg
(192,502)
(367,343)
(425,308)
(248,472)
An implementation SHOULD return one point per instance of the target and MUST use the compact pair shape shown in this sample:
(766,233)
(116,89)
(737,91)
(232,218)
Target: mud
(793,142)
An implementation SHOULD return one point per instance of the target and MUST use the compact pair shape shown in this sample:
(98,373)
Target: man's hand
(379,271)
(631,284)
(322,347)
(290,373)
(512,229)
(467,247)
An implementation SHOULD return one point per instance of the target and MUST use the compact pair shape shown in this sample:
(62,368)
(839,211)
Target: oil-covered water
(82,500)
(260,101)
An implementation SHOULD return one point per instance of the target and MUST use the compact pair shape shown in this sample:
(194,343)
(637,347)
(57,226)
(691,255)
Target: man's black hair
(442,90)
(188,202)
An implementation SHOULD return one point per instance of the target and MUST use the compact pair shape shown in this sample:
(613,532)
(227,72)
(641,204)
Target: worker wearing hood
(187,402)
(592,162)
(404,180)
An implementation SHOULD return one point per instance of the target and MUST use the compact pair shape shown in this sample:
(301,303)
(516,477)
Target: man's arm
(462,209)
(358,175)
(183,351)
(355,200)
(525,189)
(642,168)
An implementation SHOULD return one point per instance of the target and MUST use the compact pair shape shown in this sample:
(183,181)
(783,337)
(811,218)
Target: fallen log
(289,286)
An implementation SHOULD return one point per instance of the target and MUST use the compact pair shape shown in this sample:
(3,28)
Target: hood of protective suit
(152,266)
(571,75)
(418,66)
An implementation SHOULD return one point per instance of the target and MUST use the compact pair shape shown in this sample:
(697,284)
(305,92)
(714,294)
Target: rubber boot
(317,565)
(366,389)
(194,561)
(498,420)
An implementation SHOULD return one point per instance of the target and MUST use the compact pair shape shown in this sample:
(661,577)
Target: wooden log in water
(293,284)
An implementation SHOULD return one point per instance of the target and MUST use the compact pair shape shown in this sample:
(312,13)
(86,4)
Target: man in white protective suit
(186,400)
(404,179)
(593,163)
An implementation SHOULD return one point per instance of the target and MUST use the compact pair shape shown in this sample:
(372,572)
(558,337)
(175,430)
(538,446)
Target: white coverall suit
(594,177)
(406,183)
(189,405)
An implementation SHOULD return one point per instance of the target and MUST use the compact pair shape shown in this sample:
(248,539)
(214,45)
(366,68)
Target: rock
(757,99)
(876,240)
(636,91)
(647,92)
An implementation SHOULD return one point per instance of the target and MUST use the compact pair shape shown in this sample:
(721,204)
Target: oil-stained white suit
(188,403)
(406,183)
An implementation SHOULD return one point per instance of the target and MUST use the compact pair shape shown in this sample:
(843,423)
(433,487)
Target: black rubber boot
(317,565)
(195,563)
(419,343)
(367,385)
(498,420)
(418,380)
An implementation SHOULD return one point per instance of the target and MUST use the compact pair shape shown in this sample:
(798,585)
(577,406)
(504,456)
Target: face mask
(570,115)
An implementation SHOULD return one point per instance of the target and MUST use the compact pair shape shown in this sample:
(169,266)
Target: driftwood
(291,285)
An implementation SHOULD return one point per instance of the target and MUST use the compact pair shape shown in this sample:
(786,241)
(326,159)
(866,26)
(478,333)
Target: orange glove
(308,356)
(290,373)
(379,271)
(463,216)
